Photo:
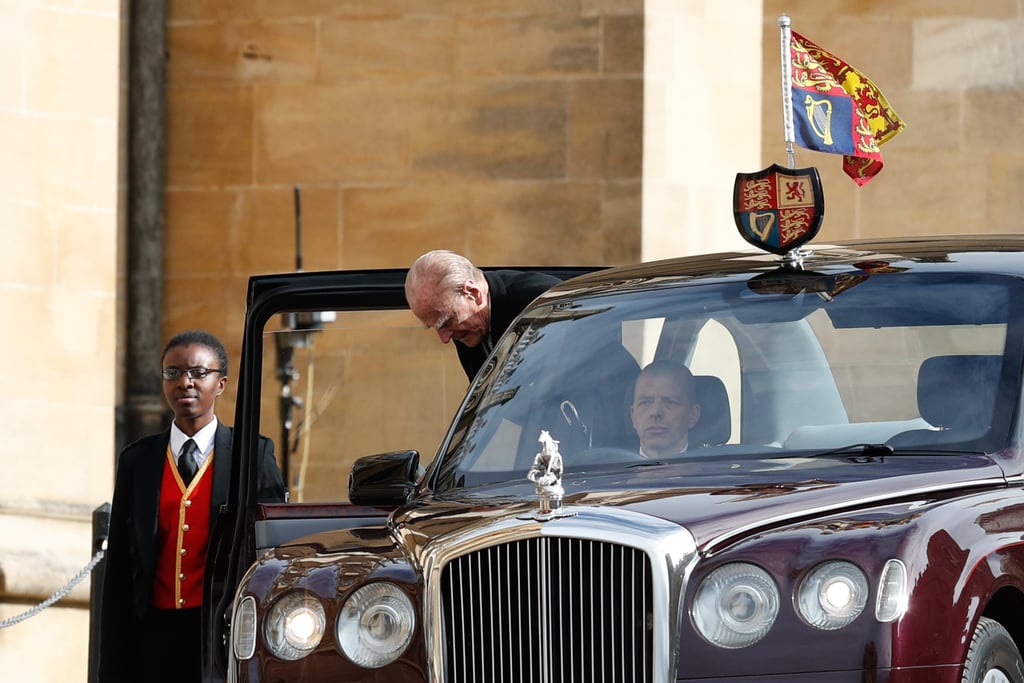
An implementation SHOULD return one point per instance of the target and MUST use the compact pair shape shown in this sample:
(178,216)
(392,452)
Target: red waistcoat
(183,533)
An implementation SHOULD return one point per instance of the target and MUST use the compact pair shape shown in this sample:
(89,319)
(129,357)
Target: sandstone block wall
(59,122)
(510,132)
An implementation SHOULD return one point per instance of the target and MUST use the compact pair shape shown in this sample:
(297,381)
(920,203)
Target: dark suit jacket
(130,559)
(511,291)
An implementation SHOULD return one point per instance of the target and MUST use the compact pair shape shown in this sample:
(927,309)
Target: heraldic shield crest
(778,209)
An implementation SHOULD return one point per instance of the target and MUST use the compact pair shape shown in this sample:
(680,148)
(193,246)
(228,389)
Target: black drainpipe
(144,410)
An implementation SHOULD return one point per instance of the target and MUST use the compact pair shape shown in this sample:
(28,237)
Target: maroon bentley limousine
(849,506)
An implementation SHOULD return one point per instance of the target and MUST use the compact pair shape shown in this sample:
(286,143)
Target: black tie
(187,466)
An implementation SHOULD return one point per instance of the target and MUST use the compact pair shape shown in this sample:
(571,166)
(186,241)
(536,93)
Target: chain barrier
(56,596)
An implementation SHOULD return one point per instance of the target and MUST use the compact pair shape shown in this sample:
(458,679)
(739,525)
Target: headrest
(715,424)
(958,391)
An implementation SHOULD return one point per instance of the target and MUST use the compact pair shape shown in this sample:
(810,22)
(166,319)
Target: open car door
(333,367)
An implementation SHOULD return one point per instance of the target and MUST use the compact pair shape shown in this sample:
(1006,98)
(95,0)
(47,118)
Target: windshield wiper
(870,450)
(882,450)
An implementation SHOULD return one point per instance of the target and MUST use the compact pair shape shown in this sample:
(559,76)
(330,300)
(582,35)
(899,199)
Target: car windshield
(785,363)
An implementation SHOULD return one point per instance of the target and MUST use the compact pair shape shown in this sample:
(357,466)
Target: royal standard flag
(837,109)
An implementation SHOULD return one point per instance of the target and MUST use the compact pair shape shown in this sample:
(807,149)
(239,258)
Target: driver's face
(662,414)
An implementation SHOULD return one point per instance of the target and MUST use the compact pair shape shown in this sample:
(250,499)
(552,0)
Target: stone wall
(507,131)
(701,122)
(59,118)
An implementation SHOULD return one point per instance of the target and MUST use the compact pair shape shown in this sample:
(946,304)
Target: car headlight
(893,592)
(295,625)
(735,605)
(376,624)
(832,595)
(243,629)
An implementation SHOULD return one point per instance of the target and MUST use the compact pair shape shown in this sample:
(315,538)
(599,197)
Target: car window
(809,364)
(326,374)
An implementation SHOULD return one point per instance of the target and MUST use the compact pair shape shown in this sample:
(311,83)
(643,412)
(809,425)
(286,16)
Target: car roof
(966,253)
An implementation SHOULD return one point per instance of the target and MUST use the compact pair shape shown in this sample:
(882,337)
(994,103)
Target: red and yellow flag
(837,109)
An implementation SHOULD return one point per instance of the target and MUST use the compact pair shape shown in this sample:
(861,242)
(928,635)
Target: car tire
(993,657)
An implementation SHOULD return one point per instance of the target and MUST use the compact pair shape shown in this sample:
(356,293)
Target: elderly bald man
(460,302)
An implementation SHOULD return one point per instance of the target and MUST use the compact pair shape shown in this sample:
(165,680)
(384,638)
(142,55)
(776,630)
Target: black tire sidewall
(992,648)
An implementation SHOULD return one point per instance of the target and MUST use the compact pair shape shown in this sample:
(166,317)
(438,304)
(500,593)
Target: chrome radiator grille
(550,610)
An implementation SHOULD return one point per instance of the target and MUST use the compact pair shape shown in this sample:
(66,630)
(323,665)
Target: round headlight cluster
(376,624)
(736,605)
(373,629)
(832,595)
(295,624)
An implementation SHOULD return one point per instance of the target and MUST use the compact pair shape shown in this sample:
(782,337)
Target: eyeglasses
(171,374)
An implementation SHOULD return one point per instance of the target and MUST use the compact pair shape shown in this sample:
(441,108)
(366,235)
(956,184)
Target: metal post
(287,373)
(100,531)
(785,37)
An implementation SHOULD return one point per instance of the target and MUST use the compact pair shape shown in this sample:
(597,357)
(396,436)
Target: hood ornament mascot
(546,473)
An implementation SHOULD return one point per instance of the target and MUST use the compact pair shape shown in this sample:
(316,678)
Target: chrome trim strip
(671,548)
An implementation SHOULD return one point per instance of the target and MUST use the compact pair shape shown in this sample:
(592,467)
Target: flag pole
(787,92)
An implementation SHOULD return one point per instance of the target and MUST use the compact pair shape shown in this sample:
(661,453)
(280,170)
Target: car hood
(721,499)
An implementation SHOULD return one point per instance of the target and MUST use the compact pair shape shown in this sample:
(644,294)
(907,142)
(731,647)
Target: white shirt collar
(203,438)
(681,451)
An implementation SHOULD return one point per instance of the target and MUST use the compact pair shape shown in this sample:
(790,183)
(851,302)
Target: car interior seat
(715,424)
(955,394)
(958,392)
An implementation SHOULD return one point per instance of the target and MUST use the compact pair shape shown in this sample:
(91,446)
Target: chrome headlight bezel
(735,605)
(294,625)
(376,624)
(832,595)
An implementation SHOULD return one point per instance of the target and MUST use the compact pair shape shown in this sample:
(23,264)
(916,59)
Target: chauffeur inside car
(664,408)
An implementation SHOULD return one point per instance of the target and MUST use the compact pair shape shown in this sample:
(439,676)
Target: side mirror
(384,480)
